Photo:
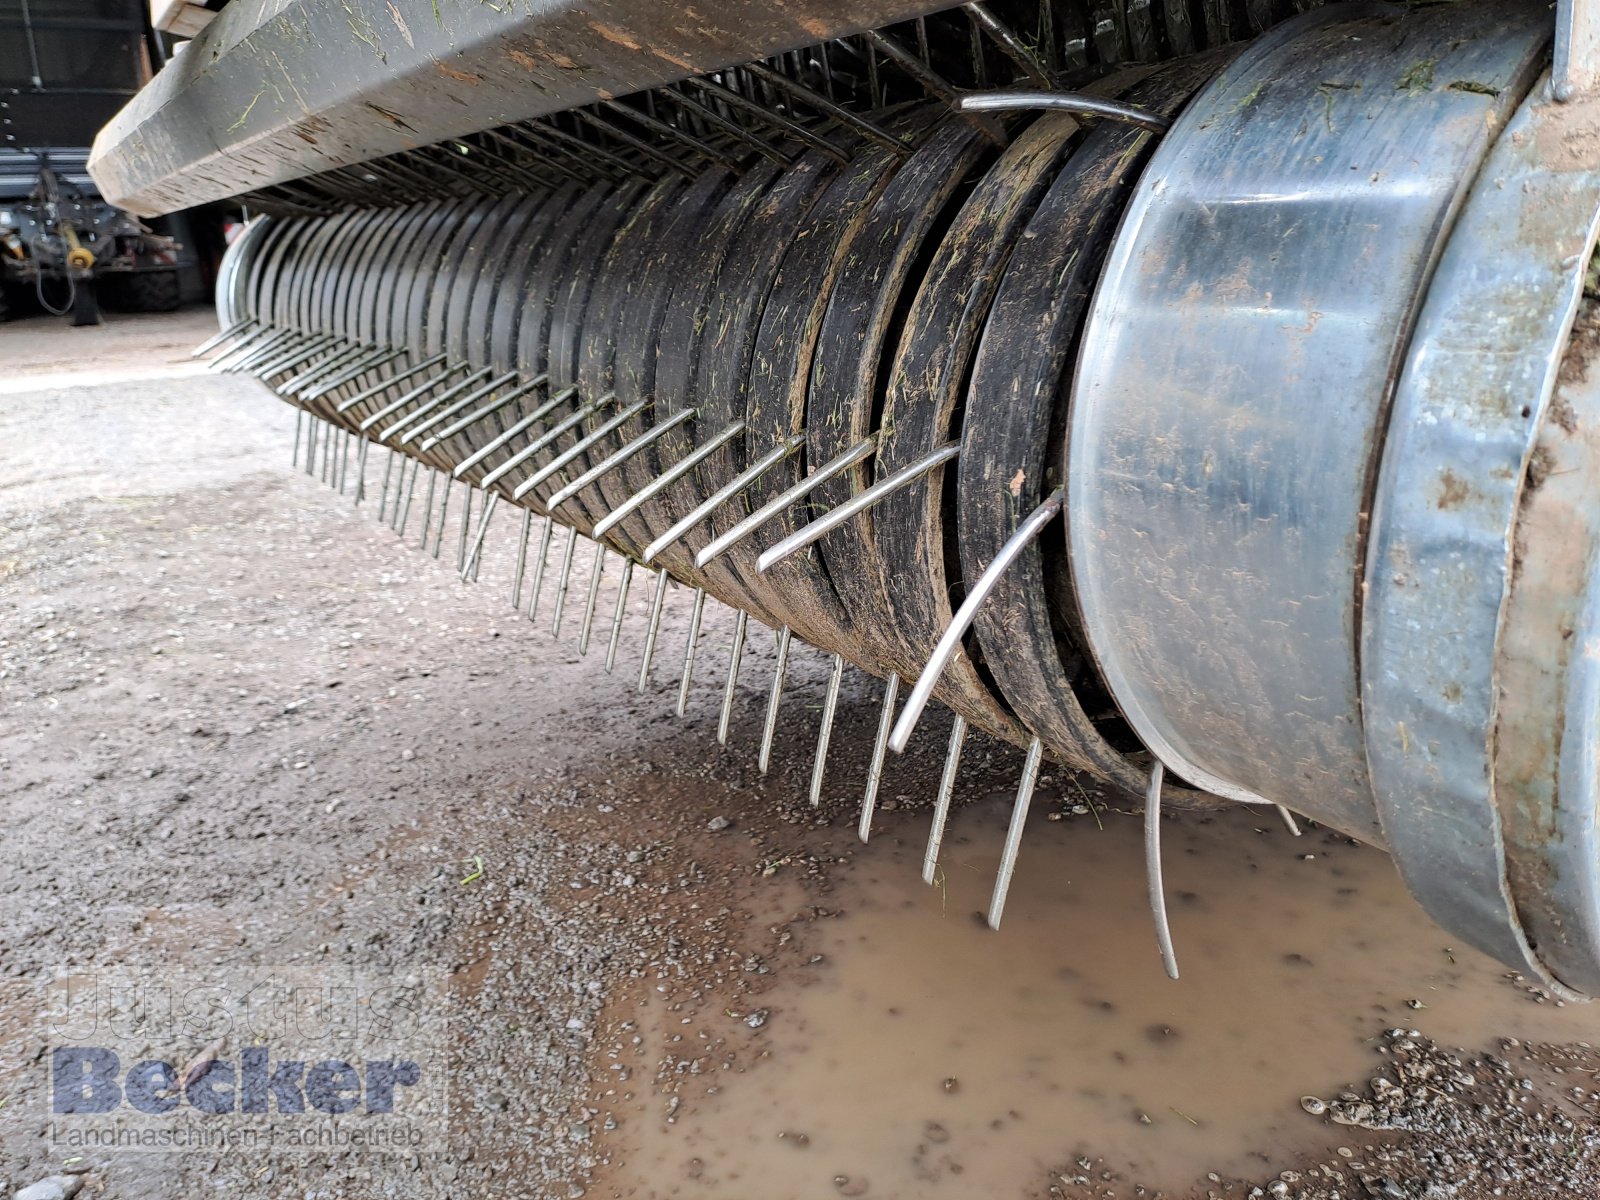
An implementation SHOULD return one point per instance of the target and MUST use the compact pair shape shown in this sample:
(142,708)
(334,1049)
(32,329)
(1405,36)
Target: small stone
(850,1187)
(718,824)
(757,1019)
(1313,1105)
(53,1187)
(952,1085)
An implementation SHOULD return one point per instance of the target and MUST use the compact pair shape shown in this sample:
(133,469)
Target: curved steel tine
(790,495)
(411,488)
(466,524)
(654,434)
(456,405)
(769,728)
(299,423)
(1072,102)
(486,410)
(621,612)
(566,581)
(690,648)
(1152,867)
(1288,820)
(950,641)
(654,629)
(667,478)
(1019,820)
(262,330)
(444,397)
(361,467)
(581,446)
(216,339)
(725,493)
(265,351)
(379,357)
(880,749)
(444,511)
(830,706)
(322,343)
(941,807)
(264,341)
(522,426)
(383,500)
(522,559)
(595,574)
(735,654)
(540,567)
(338,356)
(469,569)
(427,509)
(393,380)
(1010,44)
(860,502)
(416,393)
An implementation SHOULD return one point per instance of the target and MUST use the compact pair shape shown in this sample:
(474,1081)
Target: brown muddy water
(927,1056)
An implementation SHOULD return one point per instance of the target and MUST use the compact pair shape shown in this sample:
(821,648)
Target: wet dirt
(244,724)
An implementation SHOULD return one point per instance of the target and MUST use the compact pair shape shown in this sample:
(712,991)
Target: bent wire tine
(1072,102)
(409,373)
(654,434)
(216,339)
(950,641)
(790,495)
(725,493)
(860,502)
(667,478)
(941,806)
(880,747)
(486,410)
(1019,820)
(1152,867)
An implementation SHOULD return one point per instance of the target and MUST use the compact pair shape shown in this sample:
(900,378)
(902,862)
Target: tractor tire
(147,291)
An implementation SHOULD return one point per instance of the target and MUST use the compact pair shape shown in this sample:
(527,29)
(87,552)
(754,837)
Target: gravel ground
(247,728)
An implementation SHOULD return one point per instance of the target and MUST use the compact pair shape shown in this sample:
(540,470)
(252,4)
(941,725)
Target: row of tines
(821,97)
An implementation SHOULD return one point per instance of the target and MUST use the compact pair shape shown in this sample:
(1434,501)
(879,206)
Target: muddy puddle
(926,1056)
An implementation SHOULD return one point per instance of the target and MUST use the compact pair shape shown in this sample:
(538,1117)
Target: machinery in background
(66,249)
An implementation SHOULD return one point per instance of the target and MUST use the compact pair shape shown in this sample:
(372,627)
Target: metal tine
(338,356)
(1152,867)
(468,570)
(522,559)
(653,630)
(830,706)
(950,641)
(566,581)
(1289,822)
(1072,102)
(595,574)
(246,353)
(416,393)
(880,750)
(777,120)
(427,509)
(493,406)
(735,654)
(837,113)
(361,468)
(393,380)
(667,478)
(290,357)
(216,339)
(522,426)
(455,406)
(261,339)
(860,502)
(444,511)
(341,360)
(539,568)
(466,524)
(581,445)
(621,612)
(936,84)
(654,434)
(311,445)
(941,808)
(769,728)
(428,406)
(411,489)
(1019,819)
(299,423)
(789,496)
(383,500)
(690,648)
(379,358)
(1010,44)
(725,493)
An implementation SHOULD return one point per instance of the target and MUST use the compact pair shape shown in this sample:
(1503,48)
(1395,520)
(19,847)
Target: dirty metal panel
(274,90)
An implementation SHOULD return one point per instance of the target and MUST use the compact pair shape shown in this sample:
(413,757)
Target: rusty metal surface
(276,89)
(1235,374)
(1472,403)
